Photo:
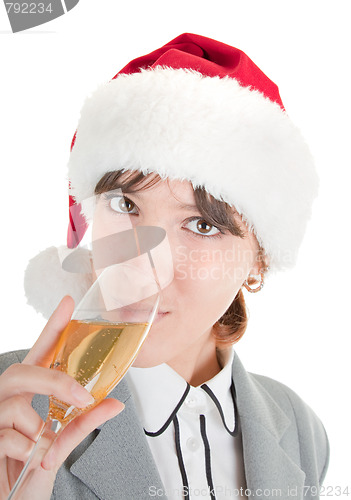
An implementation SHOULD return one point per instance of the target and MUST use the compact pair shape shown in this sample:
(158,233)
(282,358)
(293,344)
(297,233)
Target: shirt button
(192,444)
(191,402)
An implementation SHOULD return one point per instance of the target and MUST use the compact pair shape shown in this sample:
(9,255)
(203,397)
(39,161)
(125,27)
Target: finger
(17,414)
(19,379)
(13,468)
(15,445)
(78,429)
(43,350)
(38,486)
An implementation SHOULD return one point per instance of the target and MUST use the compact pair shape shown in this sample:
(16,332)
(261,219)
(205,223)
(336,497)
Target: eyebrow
(185,206)
(178,204)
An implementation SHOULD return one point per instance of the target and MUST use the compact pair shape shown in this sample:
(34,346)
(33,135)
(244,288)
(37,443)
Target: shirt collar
(159,392)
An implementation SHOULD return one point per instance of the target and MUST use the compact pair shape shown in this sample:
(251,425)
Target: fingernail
(120,409)
(48,462)
(82,396)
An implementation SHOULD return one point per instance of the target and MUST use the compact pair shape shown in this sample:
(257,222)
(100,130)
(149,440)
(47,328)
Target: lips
(134,310)
(160,315)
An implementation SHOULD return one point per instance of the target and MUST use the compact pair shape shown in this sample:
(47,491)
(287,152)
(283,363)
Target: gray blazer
(285,447)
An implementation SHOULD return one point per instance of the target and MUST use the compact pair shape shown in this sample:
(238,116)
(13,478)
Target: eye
(201,227)
(122,205)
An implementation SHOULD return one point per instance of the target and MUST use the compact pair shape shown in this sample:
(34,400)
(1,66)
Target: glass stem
(49,433)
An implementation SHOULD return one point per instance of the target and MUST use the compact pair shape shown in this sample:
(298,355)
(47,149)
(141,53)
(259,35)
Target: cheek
(201,272)
(211,277)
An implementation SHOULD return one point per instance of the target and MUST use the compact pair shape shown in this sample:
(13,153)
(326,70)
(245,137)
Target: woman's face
(209,266)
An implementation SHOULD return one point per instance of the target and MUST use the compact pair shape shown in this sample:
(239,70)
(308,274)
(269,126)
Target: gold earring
(253,279)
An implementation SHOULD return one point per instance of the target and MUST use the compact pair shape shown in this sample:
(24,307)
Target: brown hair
(232,325)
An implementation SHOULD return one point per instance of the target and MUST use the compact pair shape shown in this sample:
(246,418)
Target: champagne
(97,354)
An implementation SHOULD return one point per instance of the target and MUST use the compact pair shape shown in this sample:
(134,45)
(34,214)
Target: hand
(20,425)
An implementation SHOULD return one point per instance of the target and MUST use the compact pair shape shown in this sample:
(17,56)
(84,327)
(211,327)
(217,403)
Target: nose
(146,248)
(161,259)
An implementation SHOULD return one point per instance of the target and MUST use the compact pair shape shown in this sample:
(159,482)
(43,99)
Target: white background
(299,328)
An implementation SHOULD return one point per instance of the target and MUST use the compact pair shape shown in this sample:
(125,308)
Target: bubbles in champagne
(97,355)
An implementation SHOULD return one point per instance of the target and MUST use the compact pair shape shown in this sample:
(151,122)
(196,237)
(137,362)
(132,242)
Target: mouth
(160,315)
(141,314)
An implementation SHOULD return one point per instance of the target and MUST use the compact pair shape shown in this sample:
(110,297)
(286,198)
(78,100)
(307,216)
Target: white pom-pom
(46,282)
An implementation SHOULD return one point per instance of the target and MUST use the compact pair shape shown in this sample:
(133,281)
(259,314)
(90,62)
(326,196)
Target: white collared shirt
(191,431)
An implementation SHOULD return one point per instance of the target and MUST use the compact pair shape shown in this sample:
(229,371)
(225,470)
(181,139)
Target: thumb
(43,350)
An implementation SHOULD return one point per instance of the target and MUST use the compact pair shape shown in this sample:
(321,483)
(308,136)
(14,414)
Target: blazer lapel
(119,463)
(263,425)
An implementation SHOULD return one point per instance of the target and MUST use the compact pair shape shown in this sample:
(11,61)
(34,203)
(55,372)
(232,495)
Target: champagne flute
(103,338)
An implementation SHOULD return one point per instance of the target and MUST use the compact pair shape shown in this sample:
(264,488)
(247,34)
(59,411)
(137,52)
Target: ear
(261,263)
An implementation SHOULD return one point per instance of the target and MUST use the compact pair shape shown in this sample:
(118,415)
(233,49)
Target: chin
(150,354)
(146,362)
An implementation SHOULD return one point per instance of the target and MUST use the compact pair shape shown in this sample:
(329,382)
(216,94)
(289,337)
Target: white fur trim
(46,283)
(232,140)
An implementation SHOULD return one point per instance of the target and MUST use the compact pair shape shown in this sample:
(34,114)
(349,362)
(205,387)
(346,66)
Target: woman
(193,138)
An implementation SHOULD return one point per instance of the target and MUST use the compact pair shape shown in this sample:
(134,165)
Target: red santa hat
(197,110)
